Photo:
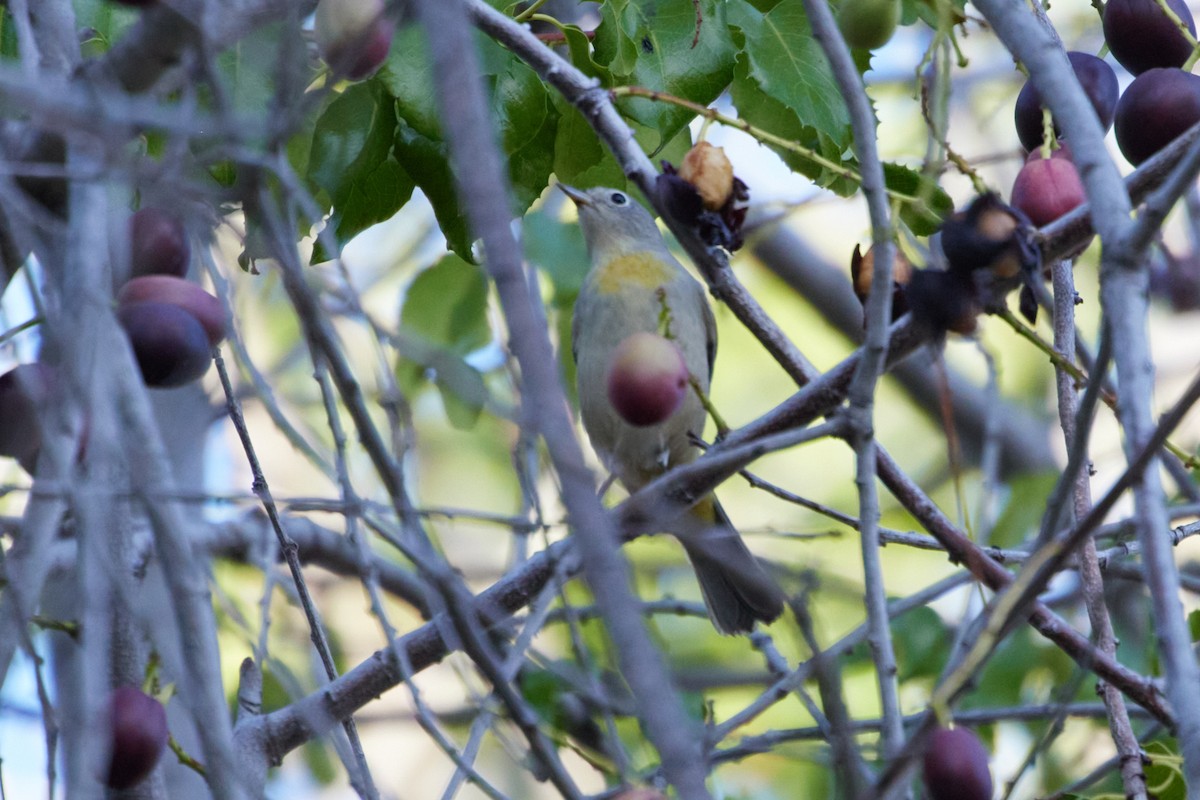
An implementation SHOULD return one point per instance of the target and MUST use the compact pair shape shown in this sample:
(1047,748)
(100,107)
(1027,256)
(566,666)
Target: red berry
(139,736)
(1047,188)
(647,379)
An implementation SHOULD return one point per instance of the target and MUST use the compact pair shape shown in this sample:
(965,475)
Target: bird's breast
(643,270)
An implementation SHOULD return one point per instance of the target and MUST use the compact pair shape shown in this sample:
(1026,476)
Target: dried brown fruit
(719,228)
(862,271)
(708,169)
(991,244)
(944,301)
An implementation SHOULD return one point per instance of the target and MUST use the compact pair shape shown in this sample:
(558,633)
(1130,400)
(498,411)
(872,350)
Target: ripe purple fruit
(139,736)
(354,36)
(647,379)
(1047,188)
(1141,36)
(956,766)
(191,298)
(1099,82)
(158,244)
(1159,105)
(169,343)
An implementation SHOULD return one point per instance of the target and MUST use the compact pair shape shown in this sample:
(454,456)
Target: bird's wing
(710,332)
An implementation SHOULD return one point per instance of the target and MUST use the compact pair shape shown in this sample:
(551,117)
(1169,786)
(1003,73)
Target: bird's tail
(737,590)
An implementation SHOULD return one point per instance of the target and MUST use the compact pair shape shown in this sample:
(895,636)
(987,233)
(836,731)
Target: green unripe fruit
(867,24)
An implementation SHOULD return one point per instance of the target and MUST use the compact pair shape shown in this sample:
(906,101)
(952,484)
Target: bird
(634,284)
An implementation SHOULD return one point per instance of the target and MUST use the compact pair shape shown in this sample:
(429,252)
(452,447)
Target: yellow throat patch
(644,269)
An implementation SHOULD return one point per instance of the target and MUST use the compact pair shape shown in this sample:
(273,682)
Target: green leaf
(928,10)
(524,113)
(444,318)
(542,689)
(427,162)
(679,47)
(447,305)
(922,644)
(558,250)
(528,122)
(248,68)
(579,157)
(1163,775)
(933,204)
(1193,621)
(765,112)
(464,393)
(352,161)
(1023,512)
(419,147)
(579,49)
(784,60)
(104,20)
(782,83)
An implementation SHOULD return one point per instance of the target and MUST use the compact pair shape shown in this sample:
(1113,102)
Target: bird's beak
(579,198)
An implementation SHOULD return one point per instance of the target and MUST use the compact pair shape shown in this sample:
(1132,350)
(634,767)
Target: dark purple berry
(176,291)
(139,736)
(169,343)
(1142,37)
(158,244)
(956,766)
(1159,105)
(1099,82)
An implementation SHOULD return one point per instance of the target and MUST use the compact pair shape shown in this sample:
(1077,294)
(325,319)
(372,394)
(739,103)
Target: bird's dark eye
(618,199)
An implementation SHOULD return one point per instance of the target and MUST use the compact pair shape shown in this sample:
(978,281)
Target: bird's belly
(636,454)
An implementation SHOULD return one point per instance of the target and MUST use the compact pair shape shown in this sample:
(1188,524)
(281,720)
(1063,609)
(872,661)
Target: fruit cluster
(354,36)
(172,325)
(988,248)
(1162,102)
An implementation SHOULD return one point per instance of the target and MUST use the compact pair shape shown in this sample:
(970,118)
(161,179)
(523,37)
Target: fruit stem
(525,15)
(1047,133)
(63,626)
(1081,378)
(24,326)
(722,427)
(185,759)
